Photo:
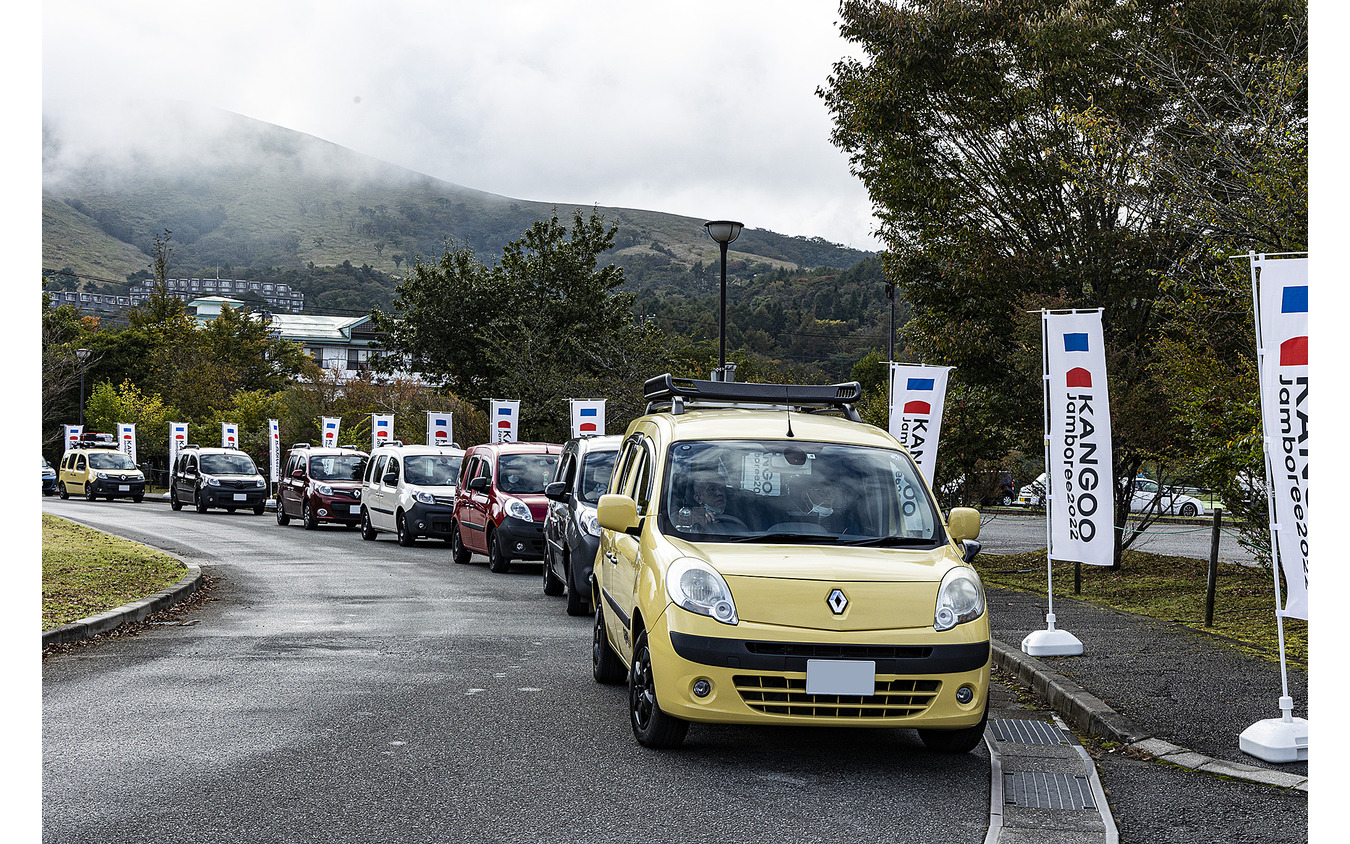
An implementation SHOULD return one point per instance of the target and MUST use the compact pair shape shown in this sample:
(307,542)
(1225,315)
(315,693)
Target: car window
(337,467)
(110,460)
(432,469)
(228,464)
(566,470)
(641,489)
(525,473)
(595,475)
(825,493)
(79,462)
(375,474)
(619,481)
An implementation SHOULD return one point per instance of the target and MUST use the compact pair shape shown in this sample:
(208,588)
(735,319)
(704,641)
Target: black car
(216,477)
(571,532)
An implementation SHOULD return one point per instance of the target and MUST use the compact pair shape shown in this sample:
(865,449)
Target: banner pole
(1283,739)
(1049,642)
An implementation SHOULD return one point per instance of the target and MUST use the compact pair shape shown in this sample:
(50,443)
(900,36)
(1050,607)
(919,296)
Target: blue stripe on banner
(919,384)
(1295,300)
(503,411)
(588,411)
(1075,342)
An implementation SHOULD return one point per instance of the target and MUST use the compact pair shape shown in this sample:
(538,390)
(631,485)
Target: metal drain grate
(1027,732)
(1047,791)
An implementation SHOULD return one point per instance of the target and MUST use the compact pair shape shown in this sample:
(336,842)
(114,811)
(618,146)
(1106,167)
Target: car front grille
(814,651)
(241,485)
(351,494)
(777,695)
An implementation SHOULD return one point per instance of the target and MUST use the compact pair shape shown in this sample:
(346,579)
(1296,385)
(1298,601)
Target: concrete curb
(1090,714)
(89,627)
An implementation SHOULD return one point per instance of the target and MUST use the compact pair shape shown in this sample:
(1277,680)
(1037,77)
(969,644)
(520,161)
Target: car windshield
(524,473)
(432,469)
(228,464)
(337,467)
(815,493)
(110,460)
(595,475)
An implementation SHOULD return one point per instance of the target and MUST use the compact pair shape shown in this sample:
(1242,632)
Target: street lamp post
(83,355)
(724,232)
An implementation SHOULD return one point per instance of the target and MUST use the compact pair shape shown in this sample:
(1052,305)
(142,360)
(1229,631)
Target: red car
(321,485)
(501,506)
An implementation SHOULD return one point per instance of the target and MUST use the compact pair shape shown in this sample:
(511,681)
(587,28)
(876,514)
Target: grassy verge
(85,572)
(1166,588)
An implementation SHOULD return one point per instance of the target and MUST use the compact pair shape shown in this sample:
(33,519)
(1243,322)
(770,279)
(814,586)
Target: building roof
(312,328)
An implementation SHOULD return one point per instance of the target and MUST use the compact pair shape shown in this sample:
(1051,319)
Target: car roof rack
(676,394)
(299,445)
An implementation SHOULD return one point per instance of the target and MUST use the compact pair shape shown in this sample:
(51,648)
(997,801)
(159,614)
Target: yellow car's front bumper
(756,673)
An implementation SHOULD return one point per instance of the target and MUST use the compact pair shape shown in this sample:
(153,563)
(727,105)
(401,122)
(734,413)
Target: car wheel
(367,529)
(577,601)
(552,585)
(651,726)
(259,509)
(605,665)
(89,492)
(198,502)
(282,518)
(136,499)
(458,552)
(406,537)
(498,561)
(174,504)
(307,514)
(61,490)
(1188,509)
(1006,500)
(956,741)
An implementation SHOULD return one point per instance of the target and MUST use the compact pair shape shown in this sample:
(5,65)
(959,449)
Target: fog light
(965,694)
(421,525)
(520,546)
(702,688)
(723,611)
(323,512)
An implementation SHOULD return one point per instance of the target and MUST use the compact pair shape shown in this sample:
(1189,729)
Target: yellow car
(765,561)
(95,468)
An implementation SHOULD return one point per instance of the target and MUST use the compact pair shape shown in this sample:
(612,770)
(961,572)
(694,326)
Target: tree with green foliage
(110,405)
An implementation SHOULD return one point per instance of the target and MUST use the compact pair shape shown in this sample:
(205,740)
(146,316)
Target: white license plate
(356,509)
(124,488)
(239,496)
(840,677)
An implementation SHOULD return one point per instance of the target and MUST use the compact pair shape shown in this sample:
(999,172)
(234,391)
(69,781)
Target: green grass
(85,572)
(1169,589)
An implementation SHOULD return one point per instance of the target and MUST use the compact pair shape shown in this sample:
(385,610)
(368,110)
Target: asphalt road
(338,690)
(1007,532)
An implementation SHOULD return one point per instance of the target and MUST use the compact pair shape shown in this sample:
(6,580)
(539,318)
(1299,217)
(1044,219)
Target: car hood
(823,562)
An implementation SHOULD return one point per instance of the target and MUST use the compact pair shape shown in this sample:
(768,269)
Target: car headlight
(697,587)
(210,481)
(588,522)
(323,489)
(102,476)
(261,483)
(424,497)
(960,599)
(516,509)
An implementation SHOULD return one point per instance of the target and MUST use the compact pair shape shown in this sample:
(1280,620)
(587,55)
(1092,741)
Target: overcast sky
(706,109)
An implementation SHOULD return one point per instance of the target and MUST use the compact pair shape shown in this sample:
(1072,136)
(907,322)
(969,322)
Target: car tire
(458,552)
(307,516)
(552,585)
(577,602)
(1188,509)
(61,491)
(89,492)
(956,741)
(282,518)
(406,537)
(368,531)
(651,727)
(136,499)
(498,560)
(198,502)
(259,509)
(605,665)
(174,504)
(1006,500)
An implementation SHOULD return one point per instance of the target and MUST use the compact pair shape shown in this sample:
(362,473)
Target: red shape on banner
(1294,352)
(588,426)
(918,407)
(503,424)
(1078,377)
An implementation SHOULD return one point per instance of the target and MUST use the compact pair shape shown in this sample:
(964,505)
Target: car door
(373,495)
(474,505)
(620,558)
(294,487)
(555,525)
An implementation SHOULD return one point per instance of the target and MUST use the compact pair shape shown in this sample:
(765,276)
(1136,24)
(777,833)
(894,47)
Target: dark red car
(501,507)
(321,485)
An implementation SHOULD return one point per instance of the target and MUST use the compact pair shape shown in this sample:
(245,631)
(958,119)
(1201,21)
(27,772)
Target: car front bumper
(522,540)
(432,520)
(343,510)
(581,551)
(117,489)
(215,497)
(758,673)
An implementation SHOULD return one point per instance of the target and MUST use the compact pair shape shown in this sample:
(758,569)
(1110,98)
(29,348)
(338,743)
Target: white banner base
(1051,642)
(1277,739)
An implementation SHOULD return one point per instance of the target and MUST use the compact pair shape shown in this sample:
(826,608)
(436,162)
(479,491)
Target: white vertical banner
(229,435)
(328,430)
(73,433)
(1079,474)
(918,393)
(504,421)
(274,449)
(1282,294)
(126,439)
(440,428)
(588,417)
(177,439)
(381,429)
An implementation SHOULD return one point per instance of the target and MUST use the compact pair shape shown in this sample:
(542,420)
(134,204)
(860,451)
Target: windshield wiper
(892,542)
(800,538)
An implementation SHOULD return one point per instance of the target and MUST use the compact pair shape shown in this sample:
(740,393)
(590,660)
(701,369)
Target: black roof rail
(299,445)
(667,390)
(188,445)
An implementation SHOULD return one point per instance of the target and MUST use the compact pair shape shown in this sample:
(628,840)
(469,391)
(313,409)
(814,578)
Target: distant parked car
(1149,497)
(48,478)
(96,468)
(1033,494)
(571,532)
(216,477)
(410,490)
(500,508)
(321,485)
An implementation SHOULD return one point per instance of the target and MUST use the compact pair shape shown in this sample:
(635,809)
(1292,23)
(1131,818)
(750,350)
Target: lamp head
(723,231)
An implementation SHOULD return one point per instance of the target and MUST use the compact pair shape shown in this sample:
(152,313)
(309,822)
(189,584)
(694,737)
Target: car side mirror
(557,491)
(298,473)
(618,512)
(390,479)
(963,523)
(971,548)
(478,484)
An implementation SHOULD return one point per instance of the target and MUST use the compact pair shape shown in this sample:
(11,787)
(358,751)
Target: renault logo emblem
(838,601)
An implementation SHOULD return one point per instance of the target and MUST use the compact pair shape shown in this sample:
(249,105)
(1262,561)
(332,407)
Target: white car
(409,490)
(1032,494)
(1146,499)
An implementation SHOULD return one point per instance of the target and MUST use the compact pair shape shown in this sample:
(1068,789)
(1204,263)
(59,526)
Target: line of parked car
(1148,497)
